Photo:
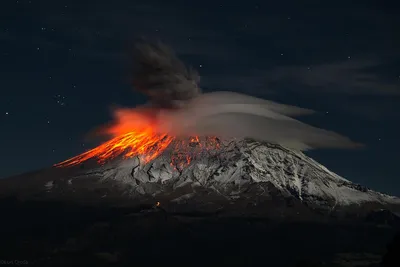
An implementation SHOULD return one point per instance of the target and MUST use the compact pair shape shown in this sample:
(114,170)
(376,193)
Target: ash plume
(160,75)
(182,110)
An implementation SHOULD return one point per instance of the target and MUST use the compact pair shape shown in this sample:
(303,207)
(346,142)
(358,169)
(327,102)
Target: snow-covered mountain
(236,169)
(239,192)
(238,176)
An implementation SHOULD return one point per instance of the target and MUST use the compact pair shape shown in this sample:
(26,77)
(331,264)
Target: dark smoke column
(160,75)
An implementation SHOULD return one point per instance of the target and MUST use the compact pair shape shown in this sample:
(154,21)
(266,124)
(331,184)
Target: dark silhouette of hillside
(64,234)
(392,256)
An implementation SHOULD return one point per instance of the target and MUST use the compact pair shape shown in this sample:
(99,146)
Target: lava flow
(144,143)
(134,136)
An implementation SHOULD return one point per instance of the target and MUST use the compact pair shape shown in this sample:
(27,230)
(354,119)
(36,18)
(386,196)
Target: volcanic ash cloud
(183,110)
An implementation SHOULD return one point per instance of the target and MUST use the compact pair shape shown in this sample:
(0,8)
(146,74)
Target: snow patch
(49,185)
(183,197)
(239,164)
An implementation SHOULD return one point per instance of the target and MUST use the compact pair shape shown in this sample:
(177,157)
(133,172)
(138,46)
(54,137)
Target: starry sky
(64,63)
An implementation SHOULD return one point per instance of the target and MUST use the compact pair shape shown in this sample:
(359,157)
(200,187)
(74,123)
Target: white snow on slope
(238,164)
(49,185)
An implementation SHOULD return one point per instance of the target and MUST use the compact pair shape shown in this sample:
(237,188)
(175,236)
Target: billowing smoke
(182,110)
(160,75)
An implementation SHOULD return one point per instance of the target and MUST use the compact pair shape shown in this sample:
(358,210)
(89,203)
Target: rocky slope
(232,171)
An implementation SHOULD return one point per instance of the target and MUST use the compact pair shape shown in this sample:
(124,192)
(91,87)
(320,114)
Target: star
(7,113)
(60,100)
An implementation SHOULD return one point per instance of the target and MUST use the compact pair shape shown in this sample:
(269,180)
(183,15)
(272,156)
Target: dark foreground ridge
(50,233)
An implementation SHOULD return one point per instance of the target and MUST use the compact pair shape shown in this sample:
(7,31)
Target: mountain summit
(207,172)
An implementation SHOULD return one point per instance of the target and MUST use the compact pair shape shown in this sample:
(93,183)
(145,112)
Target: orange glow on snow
(134,135)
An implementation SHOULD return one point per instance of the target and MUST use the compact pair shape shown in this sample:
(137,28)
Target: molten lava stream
(144,143)
(148,145)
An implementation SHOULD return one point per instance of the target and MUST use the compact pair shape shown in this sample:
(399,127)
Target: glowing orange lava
(145,143)
(135,136)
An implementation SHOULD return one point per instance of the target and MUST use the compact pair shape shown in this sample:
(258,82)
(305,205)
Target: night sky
(63,64)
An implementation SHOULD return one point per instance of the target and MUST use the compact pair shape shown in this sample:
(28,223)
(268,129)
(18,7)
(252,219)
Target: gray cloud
(350,77)
(162,77)
(228,114)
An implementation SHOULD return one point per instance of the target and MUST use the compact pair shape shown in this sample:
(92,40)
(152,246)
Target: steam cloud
(182,110)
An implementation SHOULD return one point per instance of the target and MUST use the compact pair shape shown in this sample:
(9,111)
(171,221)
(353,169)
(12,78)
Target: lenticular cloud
(233,115)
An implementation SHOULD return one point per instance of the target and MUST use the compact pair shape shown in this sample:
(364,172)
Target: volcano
(198,195)
(205,174)
(165,190)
